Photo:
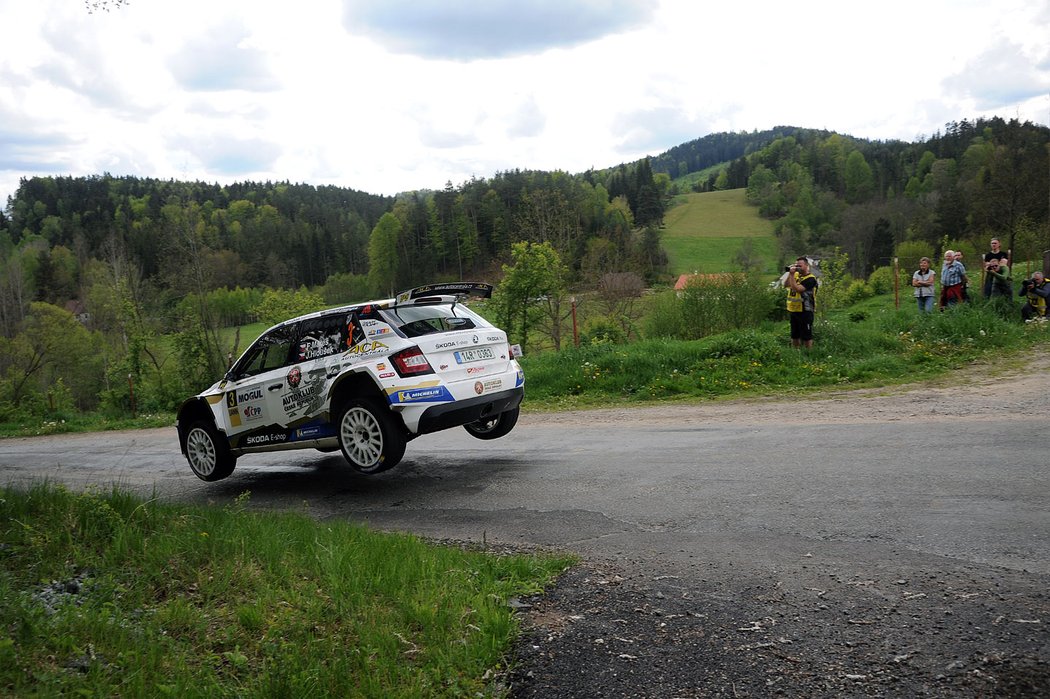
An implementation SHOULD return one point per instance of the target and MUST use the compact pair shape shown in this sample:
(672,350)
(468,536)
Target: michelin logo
(422,395)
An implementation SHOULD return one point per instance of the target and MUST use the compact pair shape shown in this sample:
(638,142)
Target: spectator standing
(998,272)
(1000,257)
(923,279)
(953,280)
(801,302)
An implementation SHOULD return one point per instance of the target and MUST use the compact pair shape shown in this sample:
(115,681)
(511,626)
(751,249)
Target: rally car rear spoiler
(450,289)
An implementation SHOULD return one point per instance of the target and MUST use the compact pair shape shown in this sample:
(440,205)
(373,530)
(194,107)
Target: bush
(713,304)
(664,318)
(858,291)
(911,251)
(881,280)
(602,331)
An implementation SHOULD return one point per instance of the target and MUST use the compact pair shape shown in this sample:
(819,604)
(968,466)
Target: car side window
(272,351)
(322,337)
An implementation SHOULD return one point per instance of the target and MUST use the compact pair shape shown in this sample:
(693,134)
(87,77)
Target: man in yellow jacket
(801,302)
(1036,291)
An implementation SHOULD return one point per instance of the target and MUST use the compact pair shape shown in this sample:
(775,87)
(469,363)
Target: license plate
(478,354)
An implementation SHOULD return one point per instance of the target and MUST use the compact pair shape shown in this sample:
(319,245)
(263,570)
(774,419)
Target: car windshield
(414,321)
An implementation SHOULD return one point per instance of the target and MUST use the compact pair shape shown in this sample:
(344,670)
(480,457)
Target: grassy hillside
(685,182)
(703,233)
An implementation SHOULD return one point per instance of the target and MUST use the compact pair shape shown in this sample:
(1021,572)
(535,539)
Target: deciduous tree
(533,286)
(382,254)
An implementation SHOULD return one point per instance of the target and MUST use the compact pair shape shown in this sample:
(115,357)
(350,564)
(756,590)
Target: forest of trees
(989,177)
(138,259)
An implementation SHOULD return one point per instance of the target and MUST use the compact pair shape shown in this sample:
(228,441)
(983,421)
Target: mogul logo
(247,395)
(250,395)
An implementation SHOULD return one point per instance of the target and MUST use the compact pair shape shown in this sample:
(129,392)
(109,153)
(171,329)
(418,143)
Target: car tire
(208,453)
(494,427)
(368,437)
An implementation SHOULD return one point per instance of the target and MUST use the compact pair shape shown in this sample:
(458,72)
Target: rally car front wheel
(369,438)
(208,453)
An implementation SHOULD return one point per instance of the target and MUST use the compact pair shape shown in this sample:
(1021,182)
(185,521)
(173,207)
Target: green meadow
(705,231)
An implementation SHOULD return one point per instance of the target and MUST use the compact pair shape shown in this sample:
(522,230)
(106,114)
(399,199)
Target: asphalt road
(832,516)
(974,490)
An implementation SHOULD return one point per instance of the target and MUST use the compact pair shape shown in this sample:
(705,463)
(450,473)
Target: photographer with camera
(997,281)
(801,302)
(1001,259)
(1036,291)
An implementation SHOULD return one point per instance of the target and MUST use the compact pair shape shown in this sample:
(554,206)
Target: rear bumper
(464,412)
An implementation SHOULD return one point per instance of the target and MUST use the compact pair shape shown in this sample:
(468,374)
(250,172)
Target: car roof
(420,295)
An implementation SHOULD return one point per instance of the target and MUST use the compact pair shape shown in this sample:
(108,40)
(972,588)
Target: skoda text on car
(364,379)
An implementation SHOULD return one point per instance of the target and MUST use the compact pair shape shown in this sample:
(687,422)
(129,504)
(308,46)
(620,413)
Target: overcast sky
(392,95)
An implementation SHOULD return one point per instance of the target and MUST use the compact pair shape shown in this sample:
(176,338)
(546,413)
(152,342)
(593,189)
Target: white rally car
(364,379)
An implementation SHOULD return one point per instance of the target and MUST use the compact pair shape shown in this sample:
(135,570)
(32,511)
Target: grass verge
(109,595)
(869,344)
(84,422)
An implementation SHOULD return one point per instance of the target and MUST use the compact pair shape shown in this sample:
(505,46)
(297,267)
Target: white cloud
(219,60)
(527,120)
(391,95)
(1001,76)
(467,30)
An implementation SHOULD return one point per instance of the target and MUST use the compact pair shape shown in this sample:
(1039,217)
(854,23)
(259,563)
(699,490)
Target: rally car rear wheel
(494,427)
(208,453)
(369,438)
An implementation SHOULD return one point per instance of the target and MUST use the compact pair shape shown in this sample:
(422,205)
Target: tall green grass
(107,595)
(879,346)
